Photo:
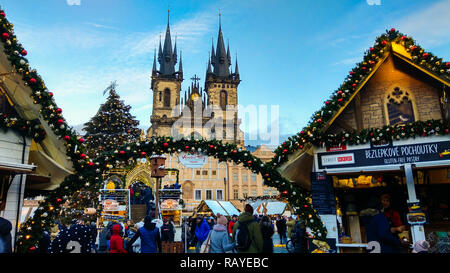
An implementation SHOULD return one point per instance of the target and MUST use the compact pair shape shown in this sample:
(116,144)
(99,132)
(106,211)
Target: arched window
(166,98)
(399,107)
(188,190)
(223,99)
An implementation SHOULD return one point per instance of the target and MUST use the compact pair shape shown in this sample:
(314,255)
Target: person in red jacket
(231,224)
(116,242)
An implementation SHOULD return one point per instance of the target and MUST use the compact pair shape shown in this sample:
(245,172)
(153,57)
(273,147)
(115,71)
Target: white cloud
(73,2)
(429,26)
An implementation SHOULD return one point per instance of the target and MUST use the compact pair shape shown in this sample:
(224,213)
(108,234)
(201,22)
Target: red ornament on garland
(285,192)
(81,140)
(384,42)
(3,14)
(447,64)
(285,151)
(165,144)
(425,55)
(50,94)
(327,103)
(122,152)
(60,121)
(58,200)
(351,73)
(23,52)
(446,131)
(339,100)
(403,38)
(83,156)
(392,30)
(32,81)
(319,120)
(186,148)
(143,154)
(59,110)
(5,35)
(66,138)
(91,164)
(372,49)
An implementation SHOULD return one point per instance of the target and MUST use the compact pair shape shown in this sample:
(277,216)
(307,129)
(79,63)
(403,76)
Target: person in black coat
(5,236)
(167,231)
(299,237)
(281,228)
(44,243)
(267,233)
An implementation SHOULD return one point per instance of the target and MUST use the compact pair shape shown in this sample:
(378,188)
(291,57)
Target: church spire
(166,60)
(154,63)
(219,60)
(236,70)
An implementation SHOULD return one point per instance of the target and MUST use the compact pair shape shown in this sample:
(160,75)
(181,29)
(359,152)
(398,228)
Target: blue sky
(291,53)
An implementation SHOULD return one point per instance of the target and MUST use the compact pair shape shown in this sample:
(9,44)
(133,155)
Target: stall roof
(223,207)
(273,208)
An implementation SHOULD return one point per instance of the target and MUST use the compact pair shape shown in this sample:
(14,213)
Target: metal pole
(417,231)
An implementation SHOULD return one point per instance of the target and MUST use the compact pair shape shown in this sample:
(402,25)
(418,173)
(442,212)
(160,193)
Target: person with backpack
(247,233)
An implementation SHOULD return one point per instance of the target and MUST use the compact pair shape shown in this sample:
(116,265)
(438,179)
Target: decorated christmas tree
(112,126)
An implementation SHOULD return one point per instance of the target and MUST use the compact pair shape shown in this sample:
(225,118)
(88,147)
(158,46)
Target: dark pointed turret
(236,69)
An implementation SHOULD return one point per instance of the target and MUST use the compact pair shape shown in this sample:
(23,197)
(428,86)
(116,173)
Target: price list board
(323,198)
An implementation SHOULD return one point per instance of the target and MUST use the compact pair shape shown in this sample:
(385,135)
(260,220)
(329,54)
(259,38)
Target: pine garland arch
(89,177)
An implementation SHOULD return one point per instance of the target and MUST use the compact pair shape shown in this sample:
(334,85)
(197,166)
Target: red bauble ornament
(165,144)
(302,132)
(447,64)
(300,147)
(122,152)
(384,42)
(59,110)
(446,131)
(339,92)
(91,164)
(23,52)
(50,94)
(319,120)
(60,121)
(3,14)
(339,100)
(392,30)
(285,192)
(143,153)
(372,49)
(81,140)
(305,206)
(186,148)
(32,81)
(327,103)
(249,162)
(351,72)
(403,38)
(33,248)
(83,155)
(211,146)
(413,48)
(363,68)
(66,138)
(425,55)
(354,85)
(5,36)
(58,200)
(285,151)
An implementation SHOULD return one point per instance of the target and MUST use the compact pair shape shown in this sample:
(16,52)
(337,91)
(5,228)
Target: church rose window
(399,107)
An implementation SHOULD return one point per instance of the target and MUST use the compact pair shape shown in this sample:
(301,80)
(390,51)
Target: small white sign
(193,160)
(339,159)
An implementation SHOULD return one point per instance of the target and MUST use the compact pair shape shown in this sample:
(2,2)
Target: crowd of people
(246,233)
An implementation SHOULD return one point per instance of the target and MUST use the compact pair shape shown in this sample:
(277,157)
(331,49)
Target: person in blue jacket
(378,228)
(150,237)
(201,232)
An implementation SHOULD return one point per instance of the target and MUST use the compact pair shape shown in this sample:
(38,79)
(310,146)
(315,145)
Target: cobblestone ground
(279,248)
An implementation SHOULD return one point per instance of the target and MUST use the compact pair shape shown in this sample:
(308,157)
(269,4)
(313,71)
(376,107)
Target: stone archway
(142,172)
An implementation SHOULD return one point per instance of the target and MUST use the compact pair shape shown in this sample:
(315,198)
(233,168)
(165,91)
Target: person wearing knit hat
(254,232)
(421,246)
(220,240)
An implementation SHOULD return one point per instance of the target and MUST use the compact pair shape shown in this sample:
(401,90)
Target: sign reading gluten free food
(193,160)
(401,152)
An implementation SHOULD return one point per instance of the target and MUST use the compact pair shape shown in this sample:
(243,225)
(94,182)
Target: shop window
(166,98)
(235,194)
(208,195)
(198,195)
(399,106)
(219,195)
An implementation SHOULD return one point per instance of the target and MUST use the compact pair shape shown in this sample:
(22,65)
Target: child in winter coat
(116,242)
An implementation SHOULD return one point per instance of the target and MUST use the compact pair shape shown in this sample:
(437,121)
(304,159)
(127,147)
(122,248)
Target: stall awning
(299,167)
(271,208)
(225,208)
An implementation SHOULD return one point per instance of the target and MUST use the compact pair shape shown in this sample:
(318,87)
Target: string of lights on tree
(313,133)
(88,172)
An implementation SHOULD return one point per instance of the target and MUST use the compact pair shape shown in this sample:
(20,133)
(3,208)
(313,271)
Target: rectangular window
(219,195)
(253,177)
(208,195)
(235,194)
(253,192)
(244,193)
(198,195)
(235,177)
(197,172)
(214,172)
(205,172)
(244,178)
